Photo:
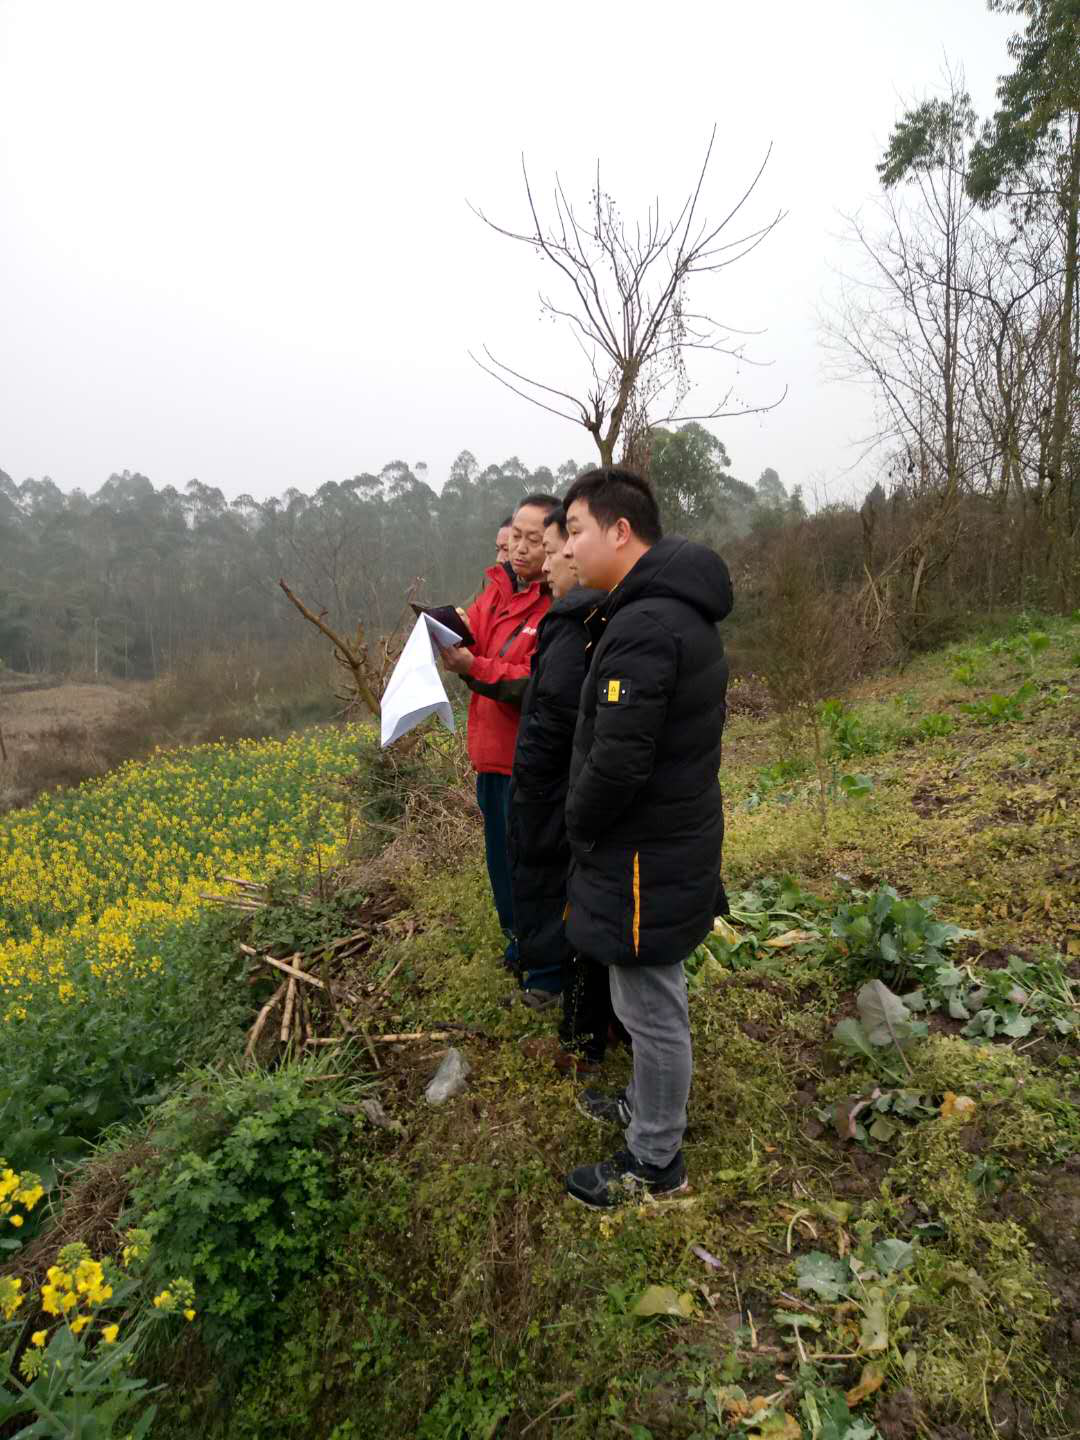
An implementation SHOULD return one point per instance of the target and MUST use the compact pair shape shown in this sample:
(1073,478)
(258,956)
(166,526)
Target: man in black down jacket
(644,812)
(539,849)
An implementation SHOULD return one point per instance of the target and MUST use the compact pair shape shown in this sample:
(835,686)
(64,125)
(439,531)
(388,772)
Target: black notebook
(446,615)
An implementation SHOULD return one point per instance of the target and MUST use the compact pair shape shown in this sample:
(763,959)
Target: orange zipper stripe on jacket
(637,901)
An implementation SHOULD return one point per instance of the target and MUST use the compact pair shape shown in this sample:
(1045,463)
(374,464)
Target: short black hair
(613,493)
(508,521)
(544,502)
(557,517)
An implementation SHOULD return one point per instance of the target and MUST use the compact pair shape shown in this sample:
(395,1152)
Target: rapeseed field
(102,920)
(88,877)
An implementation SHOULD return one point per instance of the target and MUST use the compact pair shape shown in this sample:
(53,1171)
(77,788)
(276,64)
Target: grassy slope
(471,1298)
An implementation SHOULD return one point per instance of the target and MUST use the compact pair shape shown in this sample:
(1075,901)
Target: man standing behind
(644,812)
(539,852)
(503,619)
(502,541)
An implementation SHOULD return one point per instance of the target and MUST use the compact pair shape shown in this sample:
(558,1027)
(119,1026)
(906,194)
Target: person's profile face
(591,549)
(527,542)
(502,545)
(560,572)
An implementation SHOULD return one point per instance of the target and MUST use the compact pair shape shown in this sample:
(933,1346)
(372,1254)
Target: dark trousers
(493,797)
(587,1011)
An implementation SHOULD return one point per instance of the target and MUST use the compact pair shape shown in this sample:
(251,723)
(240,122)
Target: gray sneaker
(603,1106)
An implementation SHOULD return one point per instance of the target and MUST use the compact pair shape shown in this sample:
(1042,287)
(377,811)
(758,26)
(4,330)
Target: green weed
(935,726)
(882,934)
(1010,1001)
(78,1069)
(998,709)
(850,735)
(242,1194)
(774,782)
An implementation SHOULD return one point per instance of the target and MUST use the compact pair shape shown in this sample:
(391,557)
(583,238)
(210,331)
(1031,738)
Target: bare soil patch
(27,714)
(62,734)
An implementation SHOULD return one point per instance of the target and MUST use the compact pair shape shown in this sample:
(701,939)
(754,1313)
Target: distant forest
(960,314)
(132,580)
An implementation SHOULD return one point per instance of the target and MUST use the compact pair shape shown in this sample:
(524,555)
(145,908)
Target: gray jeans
(650,1000)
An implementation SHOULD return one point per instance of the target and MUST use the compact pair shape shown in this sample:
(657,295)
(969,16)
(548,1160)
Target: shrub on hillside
(242,1195)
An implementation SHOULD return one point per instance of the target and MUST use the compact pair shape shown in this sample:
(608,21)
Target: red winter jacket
(504,622)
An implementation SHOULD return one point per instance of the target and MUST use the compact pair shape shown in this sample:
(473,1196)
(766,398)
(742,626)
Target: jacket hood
(678,569)
(578,602)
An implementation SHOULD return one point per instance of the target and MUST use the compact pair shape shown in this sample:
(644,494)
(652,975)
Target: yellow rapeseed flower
(39,1337)
(88,1275)
(109,1333)
(80,1324)
(11,1296)
(73,1255)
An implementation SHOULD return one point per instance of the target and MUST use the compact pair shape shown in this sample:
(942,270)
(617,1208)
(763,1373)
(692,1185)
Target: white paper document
(415,690)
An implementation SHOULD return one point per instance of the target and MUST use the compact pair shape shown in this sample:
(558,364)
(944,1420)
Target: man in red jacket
(503,619)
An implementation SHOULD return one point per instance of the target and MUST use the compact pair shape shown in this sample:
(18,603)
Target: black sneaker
(603,1106)
(540,999)
(624,1179)
(535,1000)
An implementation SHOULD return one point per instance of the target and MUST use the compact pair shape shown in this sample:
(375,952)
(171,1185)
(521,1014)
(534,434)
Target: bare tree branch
(577,419)
(628,286)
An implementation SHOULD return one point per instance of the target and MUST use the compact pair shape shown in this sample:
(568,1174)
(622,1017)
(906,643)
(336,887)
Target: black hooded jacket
(644,812)
(539,850)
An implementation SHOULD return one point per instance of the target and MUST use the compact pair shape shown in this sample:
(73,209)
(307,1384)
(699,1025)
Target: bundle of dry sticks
(320,999)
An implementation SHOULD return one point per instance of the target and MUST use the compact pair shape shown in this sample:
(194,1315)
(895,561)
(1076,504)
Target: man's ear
(622,532)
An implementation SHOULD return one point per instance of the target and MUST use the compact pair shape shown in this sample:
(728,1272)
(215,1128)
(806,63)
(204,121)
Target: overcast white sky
(234,240)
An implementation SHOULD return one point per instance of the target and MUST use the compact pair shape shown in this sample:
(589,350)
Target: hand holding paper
(452,616)
(415,690)
(459,660)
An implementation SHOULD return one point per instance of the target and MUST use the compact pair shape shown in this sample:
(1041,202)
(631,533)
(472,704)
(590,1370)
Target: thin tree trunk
(1066,366)
(819,763)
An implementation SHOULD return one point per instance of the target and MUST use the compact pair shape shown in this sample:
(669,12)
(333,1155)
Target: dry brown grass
(87,1208)
(27,714)
(253,694)
(63,734)
(749,695)
(414,804)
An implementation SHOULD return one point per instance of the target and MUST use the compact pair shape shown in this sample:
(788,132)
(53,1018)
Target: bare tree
(906,327)
(625,301)
(368,663)
(1019,298)
(1029,155)
(953,321)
